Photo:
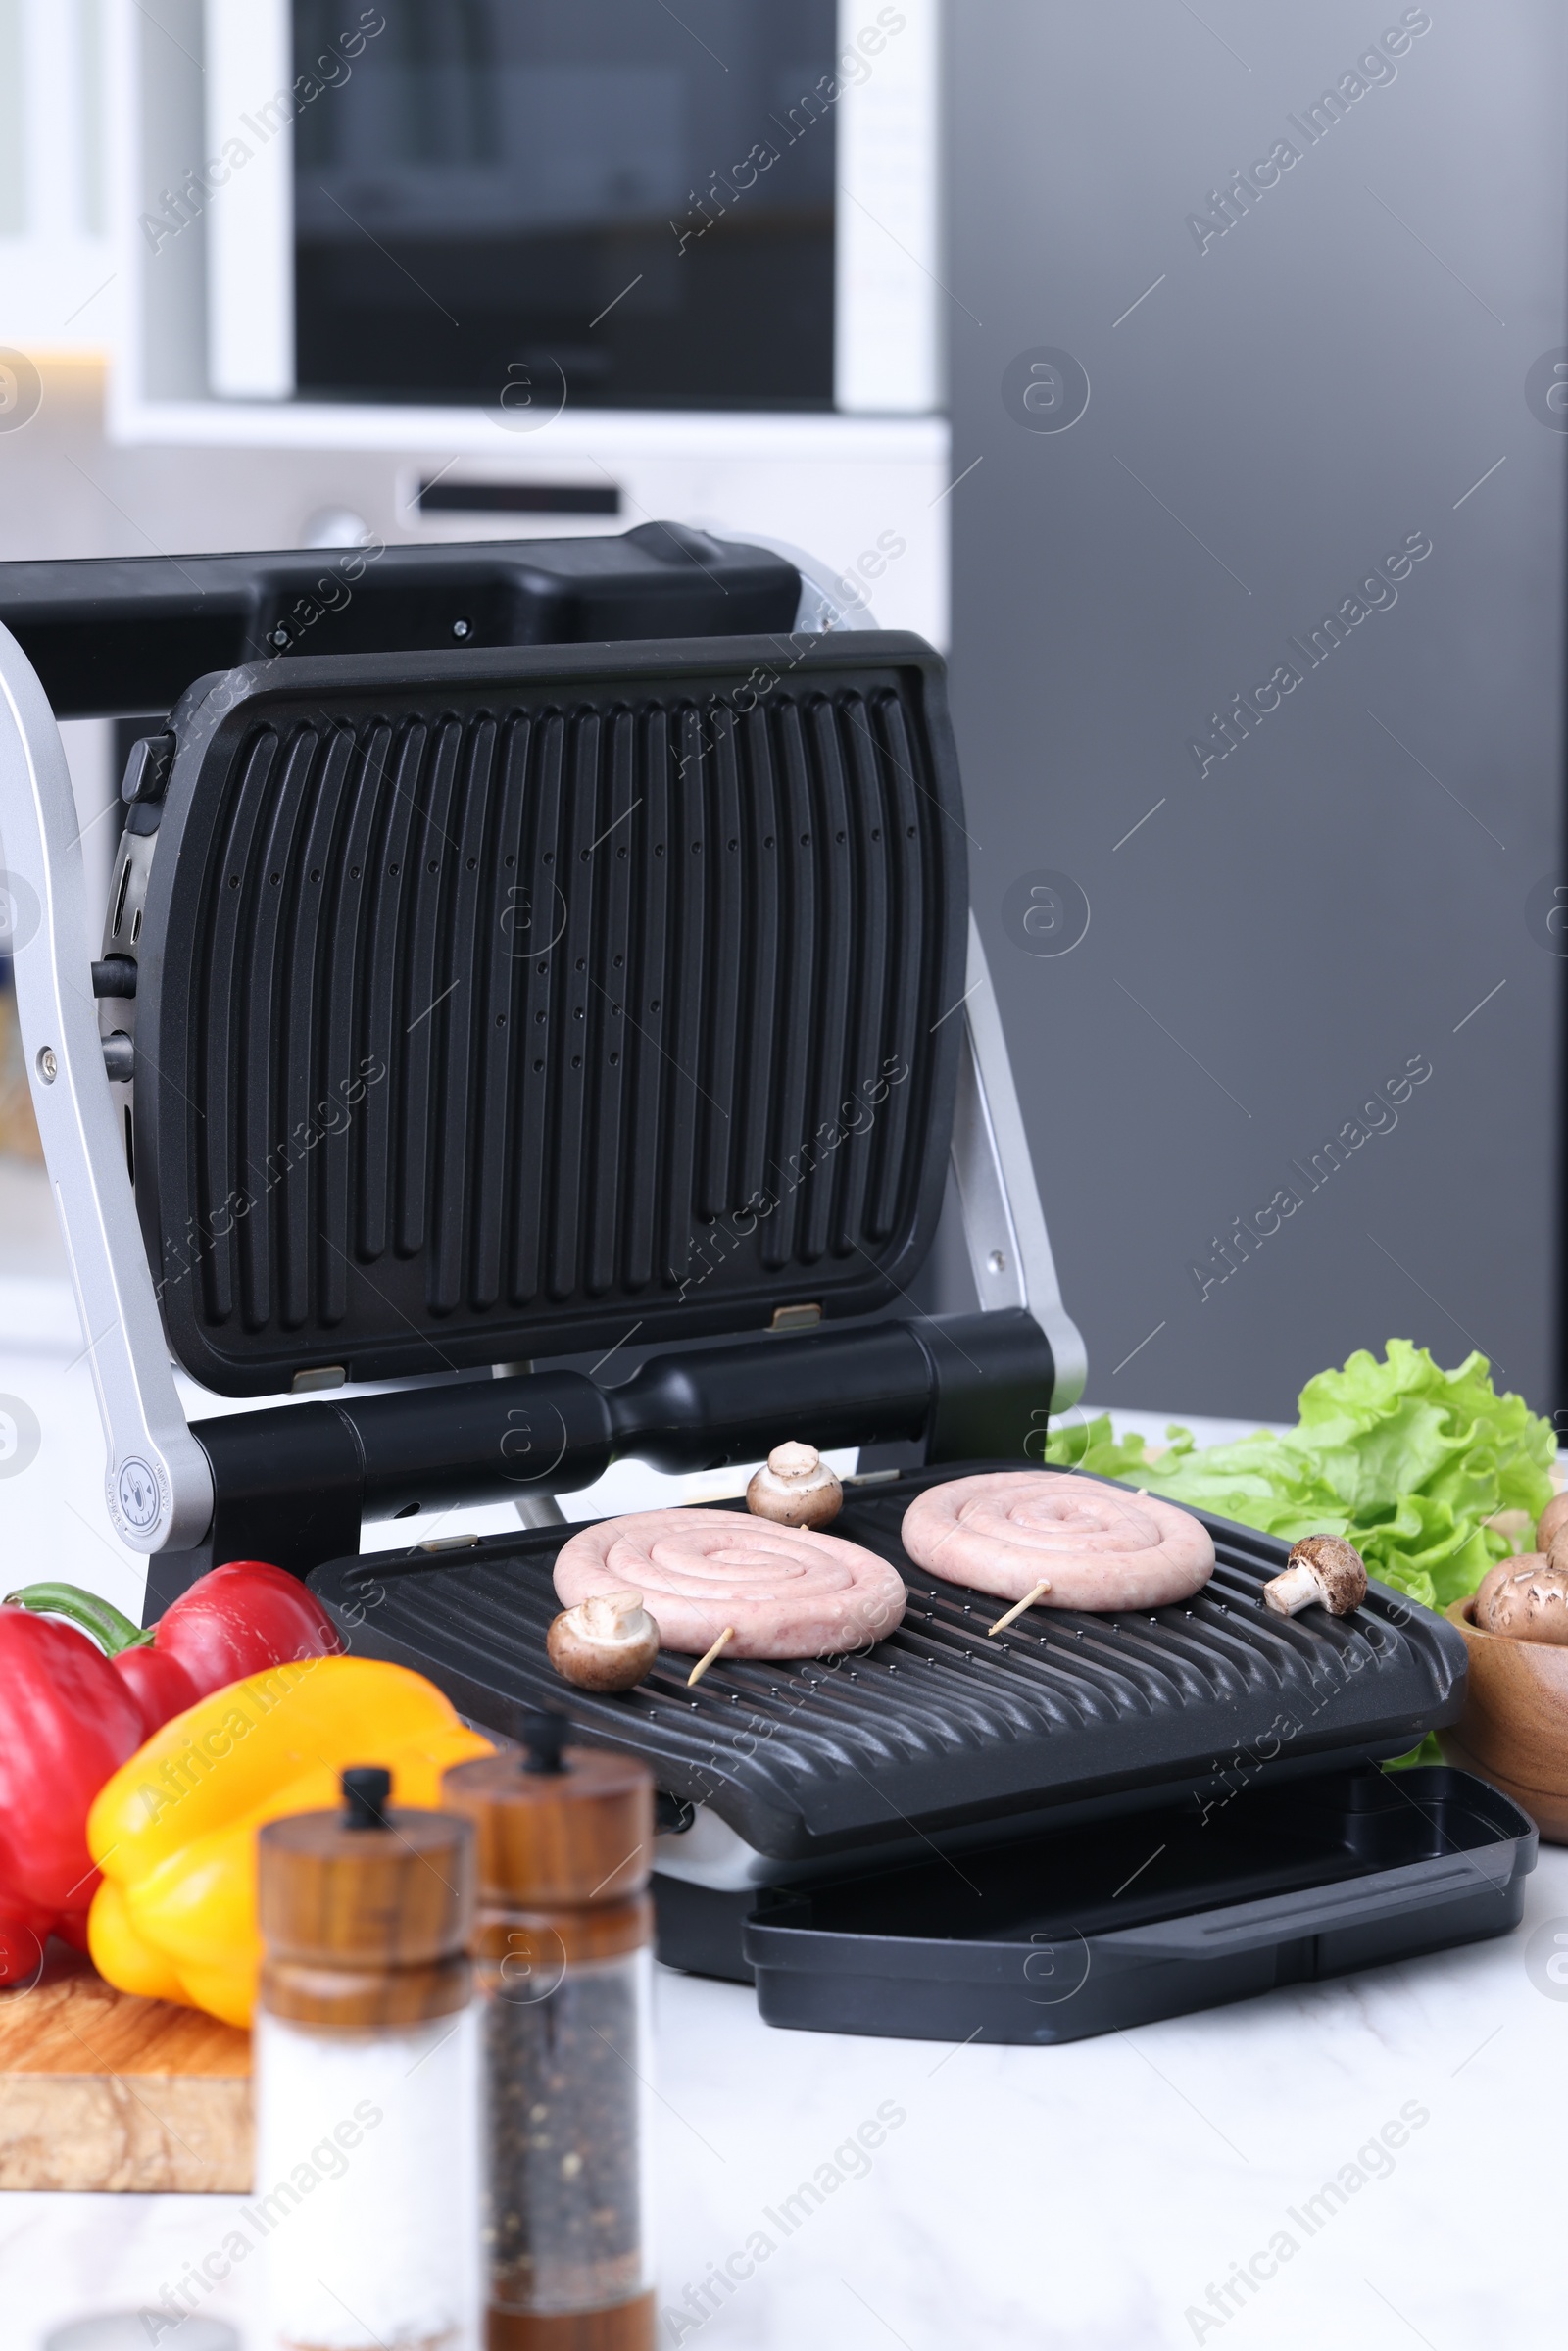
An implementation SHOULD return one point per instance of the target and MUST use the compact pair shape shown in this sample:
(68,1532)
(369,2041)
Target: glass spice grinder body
(563,1948)
(367,2077)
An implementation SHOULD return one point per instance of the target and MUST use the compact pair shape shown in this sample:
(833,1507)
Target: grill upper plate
(938,1728)
(490,1002)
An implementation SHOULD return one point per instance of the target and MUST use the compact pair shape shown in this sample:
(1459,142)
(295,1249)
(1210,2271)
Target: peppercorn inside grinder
(564,1949)
(367,2054)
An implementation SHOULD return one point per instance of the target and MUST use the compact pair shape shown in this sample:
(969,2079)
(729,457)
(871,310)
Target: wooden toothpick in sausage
(710,1656)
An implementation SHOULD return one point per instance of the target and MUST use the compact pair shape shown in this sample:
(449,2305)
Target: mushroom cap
(608,1641)
(1523,1598)
(1553,1518)
(1338,1566)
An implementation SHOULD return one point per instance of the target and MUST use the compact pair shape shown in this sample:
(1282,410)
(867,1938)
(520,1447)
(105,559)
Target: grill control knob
(115,975)
(147,768)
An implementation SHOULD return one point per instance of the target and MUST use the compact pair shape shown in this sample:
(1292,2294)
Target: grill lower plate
(938,1729)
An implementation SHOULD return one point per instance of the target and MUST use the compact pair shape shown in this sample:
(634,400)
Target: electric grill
(567,963)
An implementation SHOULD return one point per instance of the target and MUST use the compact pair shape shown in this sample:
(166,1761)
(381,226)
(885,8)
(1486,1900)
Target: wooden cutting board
(99,2089)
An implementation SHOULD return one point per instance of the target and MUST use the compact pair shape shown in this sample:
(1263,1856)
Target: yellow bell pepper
(174,1829)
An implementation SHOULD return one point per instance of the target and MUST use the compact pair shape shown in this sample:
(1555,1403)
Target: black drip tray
(1056,1938)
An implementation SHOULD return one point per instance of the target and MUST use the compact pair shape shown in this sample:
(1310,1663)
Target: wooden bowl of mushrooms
(1514,1729)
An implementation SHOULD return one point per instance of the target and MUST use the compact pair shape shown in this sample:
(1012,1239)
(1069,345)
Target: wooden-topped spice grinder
(367,1914)
(366,2059)
(564,1837)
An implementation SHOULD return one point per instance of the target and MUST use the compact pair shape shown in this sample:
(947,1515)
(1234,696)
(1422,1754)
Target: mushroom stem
(708,1658)
(1296,1589)
(1321,1568)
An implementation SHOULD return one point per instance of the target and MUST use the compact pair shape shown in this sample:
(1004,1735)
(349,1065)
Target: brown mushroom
(1525,1598)
(1553,1518)
(608,1641)
(1323,1569)
(795,1488)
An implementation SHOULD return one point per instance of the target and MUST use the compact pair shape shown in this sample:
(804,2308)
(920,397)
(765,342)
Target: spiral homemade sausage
(787,1591)
(1101,1549)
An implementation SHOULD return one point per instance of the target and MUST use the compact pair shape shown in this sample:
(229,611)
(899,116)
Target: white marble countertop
(1083,2198)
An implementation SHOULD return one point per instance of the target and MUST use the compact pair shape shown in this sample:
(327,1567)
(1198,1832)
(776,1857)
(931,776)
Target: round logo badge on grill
(137,1489)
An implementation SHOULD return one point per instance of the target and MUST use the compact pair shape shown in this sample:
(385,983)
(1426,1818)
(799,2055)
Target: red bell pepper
(68,1721)
(236,1620)
(71,1713)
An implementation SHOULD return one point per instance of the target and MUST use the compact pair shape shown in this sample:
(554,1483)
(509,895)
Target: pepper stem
(112,1631)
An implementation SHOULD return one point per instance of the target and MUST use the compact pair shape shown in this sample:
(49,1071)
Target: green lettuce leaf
(1402,1458)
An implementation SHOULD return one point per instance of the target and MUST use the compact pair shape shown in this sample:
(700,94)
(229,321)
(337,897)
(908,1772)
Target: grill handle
(294,1483)
(121,634)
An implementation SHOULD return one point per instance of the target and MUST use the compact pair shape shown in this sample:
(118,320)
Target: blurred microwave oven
(729,206)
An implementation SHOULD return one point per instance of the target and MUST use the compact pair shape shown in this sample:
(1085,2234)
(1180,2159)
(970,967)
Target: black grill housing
(502,1001)
(938,1729)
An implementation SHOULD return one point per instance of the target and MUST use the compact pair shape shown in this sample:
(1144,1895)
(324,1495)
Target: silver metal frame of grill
(157,1485)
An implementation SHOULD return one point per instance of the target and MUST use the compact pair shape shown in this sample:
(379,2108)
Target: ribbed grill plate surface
(938,1727)
(497,1008)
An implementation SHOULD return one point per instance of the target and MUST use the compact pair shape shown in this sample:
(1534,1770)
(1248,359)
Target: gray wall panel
(1336,895)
